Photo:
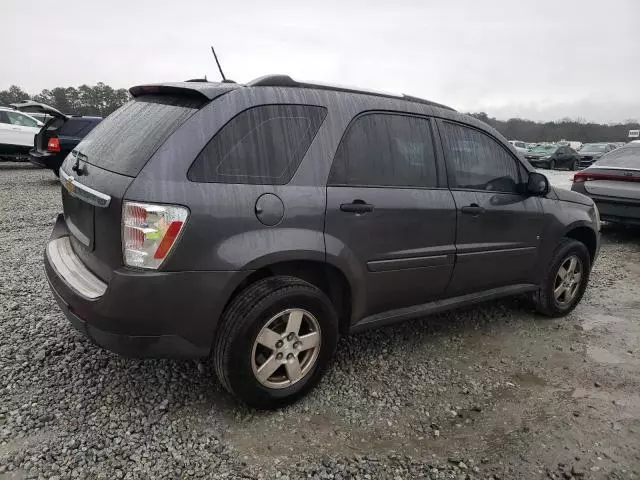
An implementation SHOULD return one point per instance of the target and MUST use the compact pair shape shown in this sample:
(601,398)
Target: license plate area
(79,217)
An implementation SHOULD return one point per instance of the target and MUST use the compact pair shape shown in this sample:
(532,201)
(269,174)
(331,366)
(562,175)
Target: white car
(17,131)
(519,145)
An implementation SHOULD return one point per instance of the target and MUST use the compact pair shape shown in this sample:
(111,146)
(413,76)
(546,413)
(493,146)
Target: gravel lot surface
(489,392)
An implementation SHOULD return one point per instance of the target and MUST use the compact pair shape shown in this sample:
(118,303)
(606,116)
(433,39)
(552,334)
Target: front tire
(575,165)
(552,165)
(275,340)
(566,279)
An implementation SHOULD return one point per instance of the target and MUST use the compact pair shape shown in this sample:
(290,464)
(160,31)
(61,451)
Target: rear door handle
(473,209)
(357,206)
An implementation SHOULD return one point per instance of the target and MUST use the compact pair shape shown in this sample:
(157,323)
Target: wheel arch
(327,277)
(585,235)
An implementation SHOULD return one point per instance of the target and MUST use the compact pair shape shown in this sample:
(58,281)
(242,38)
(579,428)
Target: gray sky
(535,59)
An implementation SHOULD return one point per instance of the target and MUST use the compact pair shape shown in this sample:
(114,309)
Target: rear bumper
(46,159)
(143,314)
(616,210)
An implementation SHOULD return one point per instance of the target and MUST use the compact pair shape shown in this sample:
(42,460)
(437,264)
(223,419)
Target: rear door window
(262,145)
(126,139)
(386,150)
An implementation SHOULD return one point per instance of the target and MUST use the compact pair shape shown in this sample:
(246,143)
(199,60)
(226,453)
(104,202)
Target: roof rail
(287,81)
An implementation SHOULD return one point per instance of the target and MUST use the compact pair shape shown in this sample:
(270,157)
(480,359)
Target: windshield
(594,147)
(625,157)
(544,149)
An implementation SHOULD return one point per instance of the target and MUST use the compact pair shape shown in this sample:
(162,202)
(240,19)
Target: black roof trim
(208,90)
(287,81)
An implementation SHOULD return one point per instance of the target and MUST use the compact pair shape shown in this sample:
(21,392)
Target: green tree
(14,94)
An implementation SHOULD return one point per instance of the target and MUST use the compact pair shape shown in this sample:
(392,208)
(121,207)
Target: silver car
(613,182)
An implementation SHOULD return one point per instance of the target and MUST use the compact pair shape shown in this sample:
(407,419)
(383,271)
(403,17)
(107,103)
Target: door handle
(357,206)
(473,209)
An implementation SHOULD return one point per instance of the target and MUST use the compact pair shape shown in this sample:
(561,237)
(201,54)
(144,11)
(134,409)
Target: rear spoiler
(204,90)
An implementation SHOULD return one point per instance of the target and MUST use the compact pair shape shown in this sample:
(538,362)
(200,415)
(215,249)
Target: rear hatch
(97,173)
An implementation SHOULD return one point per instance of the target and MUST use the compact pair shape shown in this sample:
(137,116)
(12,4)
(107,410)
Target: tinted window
(386,150)
(73,127)
(3,117)
(261,145)
(22,120)
(479,162)
(126,139)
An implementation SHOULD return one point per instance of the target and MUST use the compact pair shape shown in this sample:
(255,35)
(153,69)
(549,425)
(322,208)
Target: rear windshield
(126,139)
(626,157)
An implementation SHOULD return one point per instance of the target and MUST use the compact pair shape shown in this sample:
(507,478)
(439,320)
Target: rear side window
(126,139)
(73,127)
(478,162)
(262,145)
(382,149)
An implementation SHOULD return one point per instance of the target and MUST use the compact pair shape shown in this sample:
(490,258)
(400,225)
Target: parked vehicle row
(256,223)
(562,155)
(47,144)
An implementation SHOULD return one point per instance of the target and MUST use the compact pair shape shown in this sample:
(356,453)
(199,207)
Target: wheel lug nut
(279,344)
(290,336)
(290,356)
(279,356)
(297,345)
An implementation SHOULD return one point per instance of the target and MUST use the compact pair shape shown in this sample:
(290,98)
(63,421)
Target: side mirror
(537,184)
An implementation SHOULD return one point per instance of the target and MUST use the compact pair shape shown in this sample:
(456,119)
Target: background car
(519,145)
(613,183)
(58,136)
(17,131)
(590,152)
(553,156)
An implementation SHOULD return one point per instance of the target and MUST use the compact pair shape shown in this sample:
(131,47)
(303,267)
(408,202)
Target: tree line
(97,100)
(100,100)
(565,129)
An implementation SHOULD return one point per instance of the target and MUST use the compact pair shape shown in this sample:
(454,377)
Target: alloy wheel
(286,348)
(567,281)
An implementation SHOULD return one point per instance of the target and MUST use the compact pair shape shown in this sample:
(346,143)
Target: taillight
(586,176)
(149,231)
(53,145)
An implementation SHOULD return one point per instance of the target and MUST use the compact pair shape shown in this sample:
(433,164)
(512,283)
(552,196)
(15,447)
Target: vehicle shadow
(616,233)
(11,165)
(172,386)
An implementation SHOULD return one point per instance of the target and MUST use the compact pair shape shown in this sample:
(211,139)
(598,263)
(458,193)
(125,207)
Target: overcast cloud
(535,59)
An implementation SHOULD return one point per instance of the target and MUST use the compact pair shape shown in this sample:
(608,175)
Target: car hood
(36,107)
(591,154)
(570,196)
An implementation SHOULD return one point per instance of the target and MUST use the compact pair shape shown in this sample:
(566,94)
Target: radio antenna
(224,79)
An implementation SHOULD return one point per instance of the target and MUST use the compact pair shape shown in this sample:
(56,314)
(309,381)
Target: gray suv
(257,223)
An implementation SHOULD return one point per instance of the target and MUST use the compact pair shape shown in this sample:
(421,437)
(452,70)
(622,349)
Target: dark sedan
(613,182)
(590,152)
(553,156)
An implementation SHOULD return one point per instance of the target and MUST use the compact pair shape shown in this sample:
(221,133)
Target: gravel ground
(489,392)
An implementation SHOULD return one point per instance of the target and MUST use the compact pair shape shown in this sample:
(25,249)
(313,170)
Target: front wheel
(552,164)
(566,279)
(574,165)
(275,340)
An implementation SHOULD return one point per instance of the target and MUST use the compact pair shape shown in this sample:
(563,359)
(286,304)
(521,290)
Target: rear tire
(547,301)
(240,358)
(56,171)
(575,165)
(552,165)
